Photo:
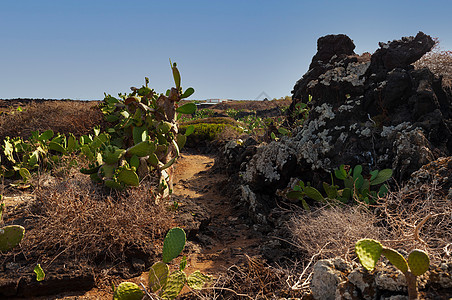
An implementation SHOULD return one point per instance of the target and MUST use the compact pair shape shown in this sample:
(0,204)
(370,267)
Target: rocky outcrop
(373,110)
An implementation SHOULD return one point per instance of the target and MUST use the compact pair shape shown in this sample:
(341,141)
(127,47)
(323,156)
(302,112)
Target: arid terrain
(341,192)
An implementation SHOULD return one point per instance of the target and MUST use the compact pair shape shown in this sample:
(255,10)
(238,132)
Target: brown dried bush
(63,116)
(333,231)
(252,280)
(439,62)
(75,219)
(403,213)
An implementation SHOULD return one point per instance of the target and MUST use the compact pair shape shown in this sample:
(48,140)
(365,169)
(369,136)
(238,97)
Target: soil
(219,234)
(228,235)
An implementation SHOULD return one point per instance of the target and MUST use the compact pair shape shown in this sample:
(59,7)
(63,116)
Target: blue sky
(79,49)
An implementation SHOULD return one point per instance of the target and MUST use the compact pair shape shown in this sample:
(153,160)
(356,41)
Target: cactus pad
(419,262)
(368,251)
(112,156)
(113,184)
(158,276)
(142,149)
(174,285)
(197,280)
(128,291)
(173,244)
(128,177)
(10,236)
(40,275)
(109,170)
(396,259)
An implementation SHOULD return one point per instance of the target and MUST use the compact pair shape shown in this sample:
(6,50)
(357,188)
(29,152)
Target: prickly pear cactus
(174,285)
(129,177)
(128,291)
(10,237)
(419,262)
(197,280)
(396,259)
(368,251)
(158,276)
(173,244)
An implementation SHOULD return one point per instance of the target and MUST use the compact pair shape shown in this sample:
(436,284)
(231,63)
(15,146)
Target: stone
(347,291)
(364,282)
(325,280)
(388,278)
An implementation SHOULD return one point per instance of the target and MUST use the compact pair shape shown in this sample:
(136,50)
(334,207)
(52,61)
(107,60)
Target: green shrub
(207,131)
(213,120)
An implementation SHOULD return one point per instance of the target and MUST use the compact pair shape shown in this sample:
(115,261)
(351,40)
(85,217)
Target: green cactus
(369,252)
(197,280)
(10,237)
(355,187)
(128,177)
(113,184)
(419,262)
(142,149)
(173,244)
(128,291)
(112,155)
(175,284)
(40,275)
(170,285)
(2,208)
(158,276)
(396,259)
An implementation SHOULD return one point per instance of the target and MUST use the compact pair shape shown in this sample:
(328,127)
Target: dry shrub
(254,280)
(75,219)
(439,62)
(77,117)
(333,231)
(404,211)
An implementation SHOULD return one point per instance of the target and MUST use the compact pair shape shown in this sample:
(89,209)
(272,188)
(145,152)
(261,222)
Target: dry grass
(74,219)
(254,280)
(332,231)
(77,117)
(403,212)
(439,62)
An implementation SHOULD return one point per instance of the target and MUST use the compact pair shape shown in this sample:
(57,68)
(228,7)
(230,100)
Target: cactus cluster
(143,136)
(166,284)
(356,186)
(39,150)
(369,252)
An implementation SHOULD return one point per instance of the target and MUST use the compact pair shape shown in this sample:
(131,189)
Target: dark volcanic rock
(400,53)
(373,110)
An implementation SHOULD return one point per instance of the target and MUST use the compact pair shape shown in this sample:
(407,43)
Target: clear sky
(79,49)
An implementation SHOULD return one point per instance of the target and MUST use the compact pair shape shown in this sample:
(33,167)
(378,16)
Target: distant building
(215,100)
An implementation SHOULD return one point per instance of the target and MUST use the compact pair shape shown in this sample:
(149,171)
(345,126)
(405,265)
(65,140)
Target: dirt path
(227,237)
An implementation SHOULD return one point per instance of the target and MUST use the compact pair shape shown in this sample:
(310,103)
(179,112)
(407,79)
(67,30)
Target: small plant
(40,275)
(167,284)
(369,252)
(10,236)
(356,186)
(198,115)
(233,113)
(301,111)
